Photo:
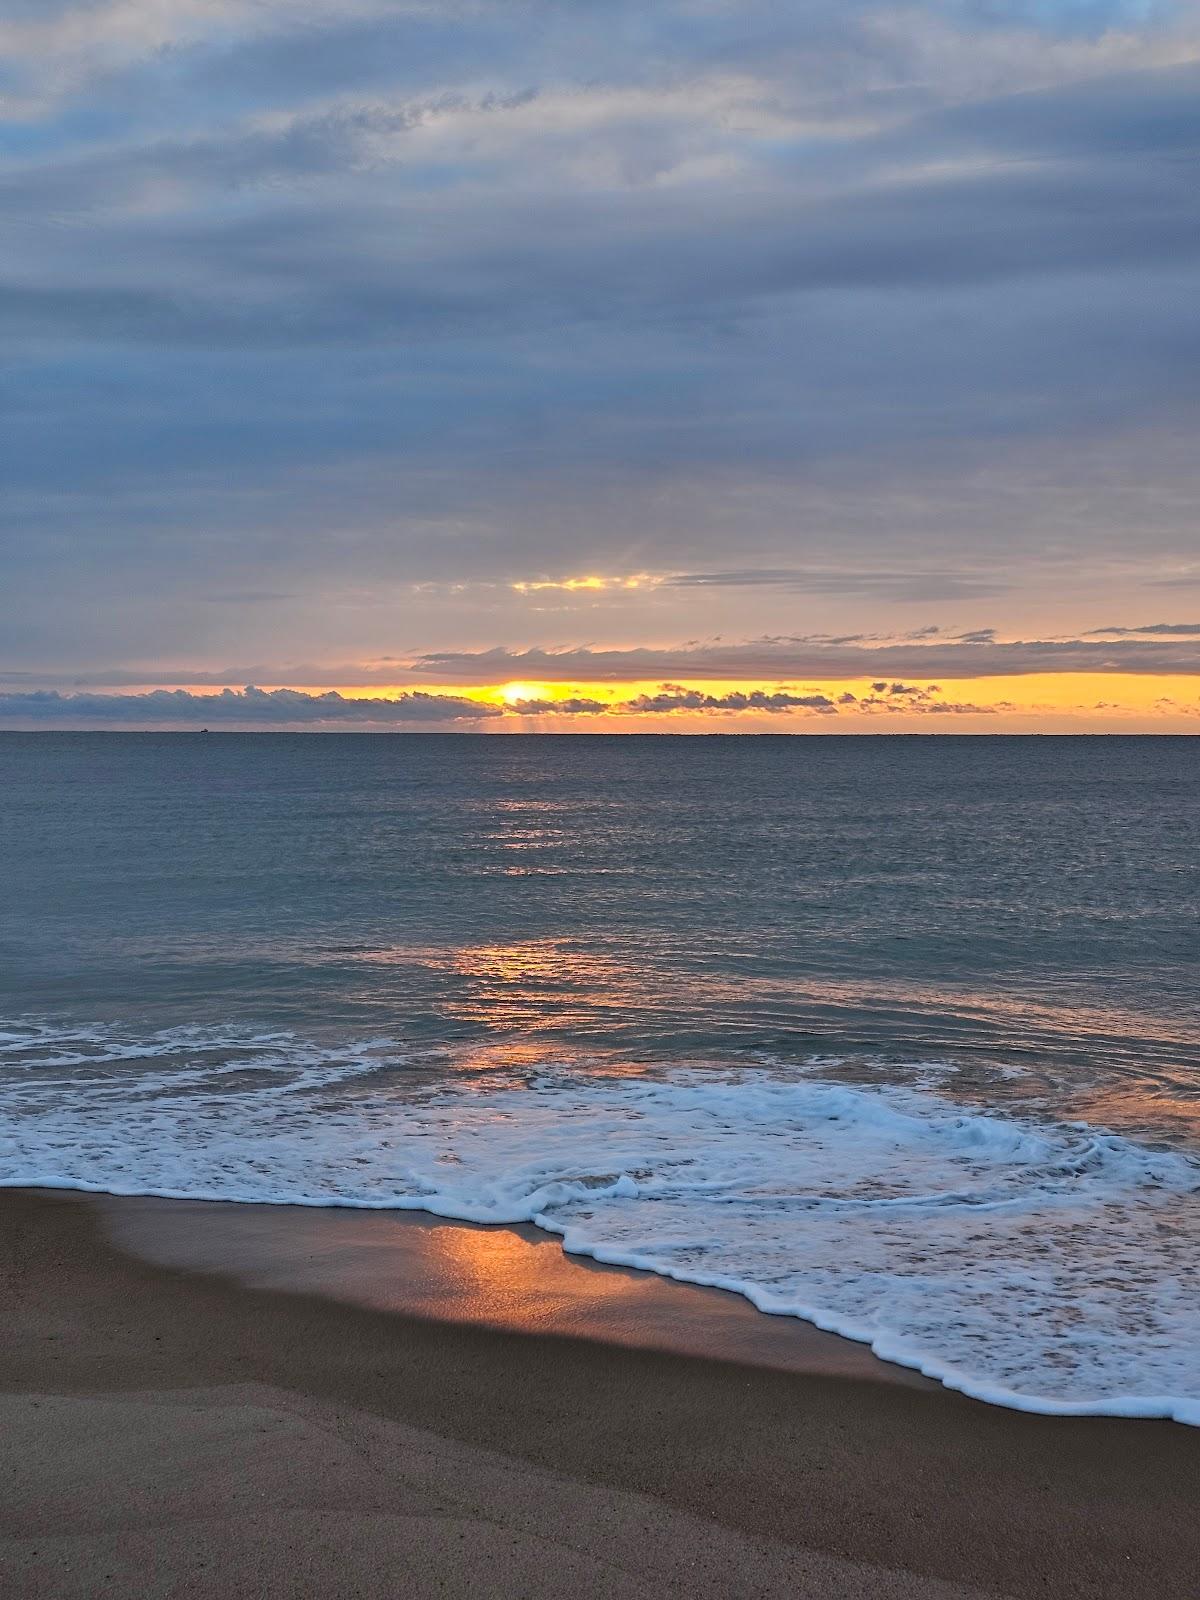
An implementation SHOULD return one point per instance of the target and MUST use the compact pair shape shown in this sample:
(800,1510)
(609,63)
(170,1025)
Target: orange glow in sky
(1040,702)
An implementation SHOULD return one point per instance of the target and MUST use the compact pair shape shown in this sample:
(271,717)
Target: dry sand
(172,1432)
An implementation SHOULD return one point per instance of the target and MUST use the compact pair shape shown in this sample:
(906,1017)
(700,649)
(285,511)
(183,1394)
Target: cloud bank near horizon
(975,655)
(1158,649)
(252,707)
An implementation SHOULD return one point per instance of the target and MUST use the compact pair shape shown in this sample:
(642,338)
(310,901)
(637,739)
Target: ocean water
(897,1035)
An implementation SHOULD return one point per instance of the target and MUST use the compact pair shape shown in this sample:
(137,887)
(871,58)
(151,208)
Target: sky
(583,365)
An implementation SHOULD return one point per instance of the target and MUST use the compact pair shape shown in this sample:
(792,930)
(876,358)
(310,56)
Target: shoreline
(389,1260)
(136,1394)
(511,1276)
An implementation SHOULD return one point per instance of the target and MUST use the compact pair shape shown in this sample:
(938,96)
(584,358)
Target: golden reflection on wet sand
(509,1278)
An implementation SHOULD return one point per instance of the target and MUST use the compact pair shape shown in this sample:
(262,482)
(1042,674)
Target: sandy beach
(176,1431)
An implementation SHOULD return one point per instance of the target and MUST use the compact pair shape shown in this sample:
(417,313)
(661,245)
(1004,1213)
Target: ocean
(898,1035)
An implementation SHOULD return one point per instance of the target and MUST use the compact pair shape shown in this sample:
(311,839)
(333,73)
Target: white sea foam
(1049,1267)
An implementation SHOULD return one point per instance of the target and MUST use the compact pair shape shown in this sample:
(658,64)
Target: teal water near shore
(898,1035)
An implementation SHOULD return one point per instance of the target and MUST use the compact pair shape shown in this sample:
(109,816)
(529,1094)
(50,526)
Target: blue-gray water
(899,1034)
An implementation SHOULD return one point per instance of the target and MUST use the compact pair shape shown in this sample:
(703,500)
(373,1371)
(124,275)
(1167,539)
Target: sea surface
(899,1035)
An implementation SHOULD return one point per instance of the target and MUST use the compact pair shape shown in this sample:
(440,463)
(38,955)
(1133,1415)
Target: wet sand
(517,1278)
(174,1430)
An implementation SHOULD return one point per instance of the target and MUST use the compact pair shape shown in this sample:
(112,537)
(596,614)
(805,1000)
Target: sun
(513,693)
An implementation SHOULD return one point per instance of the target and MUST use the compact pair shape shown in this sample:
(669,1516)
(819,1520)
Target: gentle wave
(1044,1266)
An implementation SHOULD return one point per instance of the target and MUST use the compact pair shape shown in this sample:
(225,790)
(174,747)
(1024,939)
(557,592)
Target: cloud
(908,697)
(1168,630)
(252,707)
(891,666)
(674,697)
(818,312)
(242,706)
(964,708)
(903,691)
(808,657)
(568,706)
(281,708)
(690,705)
(553,234)
(894,585)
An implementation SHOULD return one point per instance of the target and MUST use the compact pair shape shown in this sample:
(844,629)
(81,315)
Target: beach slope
(171,1433)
